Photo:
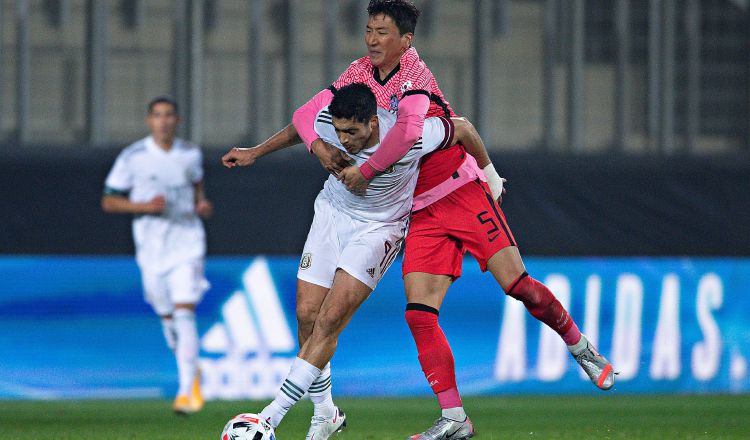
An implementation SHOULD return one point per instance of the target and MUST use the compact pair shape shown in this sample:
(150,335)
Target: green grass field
(495,418)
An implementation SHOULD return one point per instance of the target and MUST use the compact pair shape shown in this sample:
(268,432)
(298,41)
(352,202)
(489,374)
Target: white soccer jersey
(389,195)
(143,170)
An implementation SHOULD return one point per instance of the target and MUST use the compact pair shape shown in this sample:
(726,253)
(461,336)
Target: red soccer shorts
(468,219)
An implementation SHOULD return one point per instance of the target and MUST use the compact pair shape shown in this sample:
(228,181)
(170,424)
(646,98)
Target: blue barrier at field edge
(76,327)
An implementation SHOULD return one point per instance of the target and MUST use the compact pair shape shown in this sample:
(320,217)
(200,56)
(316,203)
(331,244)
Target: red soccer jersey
(410,76)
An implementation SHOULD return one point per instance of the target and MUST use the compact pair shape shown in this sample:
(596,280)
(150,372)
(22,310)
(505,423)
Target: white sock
(458,414)
(186,349)
(320,393)
(300,377)
(167,327)
(579,346)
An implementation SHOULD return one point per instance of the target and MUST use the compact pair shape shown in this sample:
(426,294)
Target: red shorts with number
(468,219)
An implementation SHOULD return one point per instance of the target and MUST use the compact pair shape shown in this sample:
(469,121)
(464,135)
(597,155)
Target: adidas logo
(250,349)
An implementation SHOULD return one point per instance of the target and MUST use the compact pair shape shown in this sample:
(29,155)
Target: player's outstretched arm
(117,204)
(468,136)
(243,157)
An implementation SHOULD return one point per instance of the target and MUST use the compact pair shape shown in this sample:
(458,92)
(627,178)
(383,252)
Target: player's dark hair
(354,101)
(402,12)
(163,99)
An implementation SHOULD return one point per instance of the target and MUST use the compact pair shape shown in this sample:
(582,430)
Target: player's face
(162,121)
(385,44)
(355,136)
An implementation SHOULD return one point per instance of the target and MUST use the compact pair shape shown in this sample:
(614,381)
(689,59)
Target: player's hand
(155,205)
(353,179)
(240,157)
(331,158)
(500,198)
(204,208)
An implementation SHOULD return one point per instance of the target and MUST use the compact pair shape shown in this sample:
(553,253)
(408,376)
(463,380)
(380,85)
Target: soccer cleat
(193,403)
(446,429)
(196,396)
(182,405)
(322,427)
(597,367)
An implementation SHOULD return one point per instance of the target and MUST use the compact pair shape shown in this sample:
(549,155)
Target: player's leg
(310,298)
(369,249)
(508,269)
(369,252)
(156,294)
(187,285)
(432,260)
(494,247)
(314,279)
(345,296)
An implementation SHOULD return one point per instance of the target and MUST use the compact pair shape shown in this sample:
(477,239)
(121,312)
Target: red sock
(435,354)
(543,305)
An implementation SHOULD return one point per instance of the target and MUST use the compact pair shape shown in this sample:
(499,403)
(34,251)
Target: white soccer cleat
(446,429)
(597,367)
(322,427)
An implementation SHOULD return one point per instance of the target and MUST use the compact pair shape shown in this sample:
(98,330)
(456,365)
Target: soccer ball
(247,427)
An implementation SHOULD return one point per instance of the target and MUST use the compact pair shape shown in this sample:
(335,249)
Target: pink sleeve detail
(407,130)
(304,117)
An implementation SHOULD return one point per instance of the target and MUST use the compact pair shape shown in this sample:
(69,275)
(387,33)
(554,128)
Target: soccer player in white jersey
(353,238)
(159,180)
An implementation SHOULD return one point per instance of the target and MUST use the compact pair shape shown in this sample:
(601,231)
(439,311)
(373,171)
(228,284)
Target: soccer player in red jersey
(455,210)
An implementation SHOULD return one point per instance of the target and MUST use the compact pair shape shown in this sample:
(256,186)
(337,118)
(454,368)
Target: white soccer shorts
(184,284)
(362,249)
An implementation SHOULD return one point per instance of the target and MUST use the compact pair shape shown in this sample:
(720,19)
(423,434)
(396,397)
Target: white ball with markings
(247,427)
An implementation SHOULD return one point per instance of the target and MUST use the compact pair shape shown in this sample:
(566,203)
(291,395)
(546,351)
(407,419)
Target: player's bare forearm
(240,156)
(284,138)
(468,136)
(203,207)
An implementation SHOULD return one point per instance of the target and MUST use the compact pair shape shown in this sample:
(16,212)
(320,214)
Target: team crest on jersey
(405,86)
(306,261)
(394,104)
(390,169)
(371,271)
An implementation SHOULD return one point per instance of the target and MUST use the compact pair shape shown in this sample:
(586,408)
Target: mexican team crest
(306,261)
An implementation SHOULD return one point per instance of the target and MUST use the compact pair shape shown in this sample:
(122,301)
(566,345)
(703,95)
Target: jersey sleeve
(304,117)
(196,167)
(436,135)
(324,127)
(120,178)
(398,141)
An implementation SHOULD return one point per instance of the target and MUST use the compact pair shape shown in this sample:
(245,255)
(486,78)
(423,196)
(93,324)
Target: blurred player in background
(159,180)
(455,210)
(353,239)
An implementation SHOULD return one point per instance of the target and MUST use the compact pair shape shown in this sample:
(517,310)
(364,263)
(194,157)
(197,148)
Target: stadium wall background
(556,205)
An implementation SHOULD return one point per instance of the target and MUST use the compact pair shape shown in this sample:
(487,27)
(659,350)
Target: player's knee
(328,322)
(306,314)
